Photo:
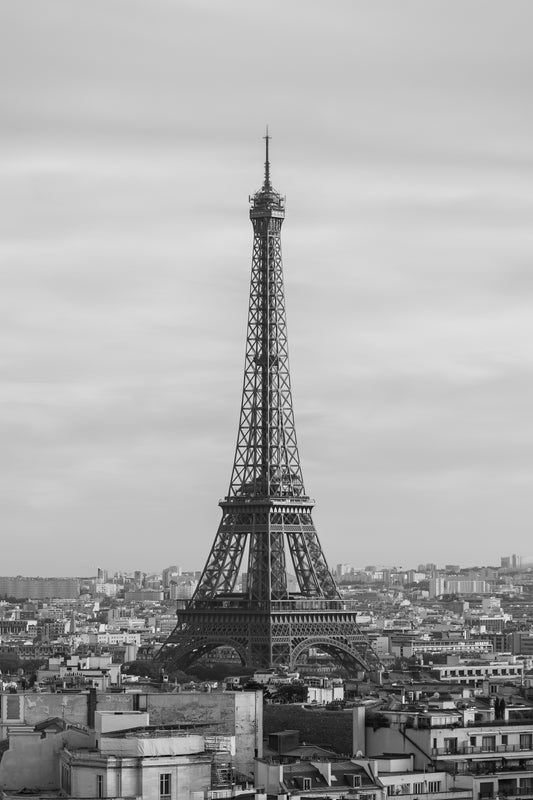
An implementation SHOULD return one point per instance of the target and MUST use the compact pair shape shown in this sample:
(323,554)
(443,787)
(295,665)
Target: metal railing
(300,605)
(458,794)
(526,721)
(514,795)
(467,749)
(314,604)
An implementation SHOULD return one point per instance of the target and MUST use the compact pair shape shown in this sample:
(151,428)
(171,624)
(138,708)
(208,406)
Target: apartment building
(39,588)
(474,673)
(492,758)
(135,761)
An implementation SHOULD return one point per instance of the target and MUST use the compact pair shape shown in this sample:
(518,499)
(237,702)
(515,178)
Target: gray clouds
(130,140)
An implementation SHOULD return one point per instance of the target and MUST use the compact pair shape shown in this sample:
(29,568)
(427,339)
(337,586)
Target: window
(473,741)
(505,738)
(140,702)
(418,788)
(525,741)
(486,790)
(450,745)
(13,707)
(488,743)
(353,780)
(99,785)
(306,784)
(65,778)
(433,786)
(165,786)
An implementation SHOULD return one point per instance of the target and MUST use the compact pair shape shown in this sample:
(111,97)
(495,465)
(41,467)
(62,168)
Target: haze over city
(130,141)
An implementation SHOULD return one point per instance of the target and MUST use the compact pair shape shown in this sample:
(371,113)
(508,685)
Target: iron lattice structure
(266,515)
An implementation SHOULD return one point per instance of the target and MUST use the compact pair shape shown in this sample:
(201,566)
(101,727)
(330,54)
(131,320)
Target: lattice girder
(266,525)
(263,639)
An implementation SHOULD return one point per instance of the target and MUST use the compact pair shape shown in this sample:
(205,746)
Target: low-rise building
(474,673)
(145,762)
(490,757)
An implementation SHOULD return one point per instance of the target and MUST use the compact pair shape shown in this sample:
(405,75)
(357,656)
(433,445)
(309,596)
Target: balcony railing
(314,604)
(526,721)
(515,795)
(466,749)
(457,794)
(299,604)
(488,768)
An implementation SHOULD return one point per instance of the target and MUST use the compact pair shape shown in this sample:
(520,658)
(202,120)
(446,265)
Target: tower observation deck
(267,527)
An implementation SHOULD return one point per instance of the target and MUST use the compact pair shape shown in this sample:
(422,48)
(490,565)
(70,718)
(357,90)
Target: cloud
(131,139)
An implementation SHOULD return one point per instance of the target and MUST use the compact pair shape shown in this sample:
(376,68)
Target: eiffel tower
(266,515)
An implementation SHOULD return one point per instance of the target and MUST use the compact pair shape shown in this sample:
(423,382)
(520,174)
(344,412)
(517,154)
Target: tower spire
(268,185)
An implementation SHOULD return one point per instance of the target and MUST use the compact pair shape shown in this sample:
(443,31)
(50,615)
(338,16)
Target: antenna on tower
(267,161)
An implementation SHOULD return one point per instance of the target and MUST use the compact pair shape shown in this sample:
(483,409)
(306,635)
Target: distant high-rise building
(39,588)
(440,585)
(511,562)
(343,569)
(170,574)
(139,577)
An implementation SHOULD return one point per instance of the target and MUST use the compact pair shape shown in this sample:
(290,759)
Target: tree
(143,669)
(292,692)
(9,663)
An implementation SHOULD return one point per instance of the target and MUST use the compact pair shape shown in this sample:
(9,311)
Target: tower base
(268,638)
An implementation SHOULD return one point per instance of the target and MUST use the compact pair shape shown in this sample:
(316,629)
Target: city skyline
(513,562)
(131,139)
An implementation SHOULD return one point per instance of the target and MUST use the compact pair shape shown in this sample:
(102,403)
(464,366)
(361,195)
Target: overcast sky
(130,139)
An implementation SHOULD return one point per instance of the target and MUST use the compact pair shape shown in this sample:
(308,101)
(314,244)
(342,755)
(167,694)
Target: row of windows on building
(487,743)
(165,783)
(427,787)
(484,671)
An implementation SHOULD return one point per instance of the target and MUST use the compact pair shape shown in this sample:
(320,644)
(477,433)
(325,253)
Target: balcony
(493,768)
(314,604)
(515,787)
(526,721)
(456,794)
(470,750)
(516,795)
(299,604)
